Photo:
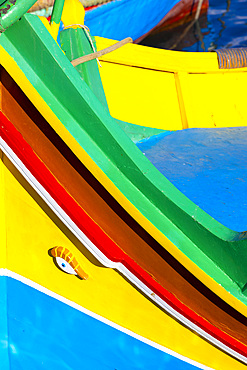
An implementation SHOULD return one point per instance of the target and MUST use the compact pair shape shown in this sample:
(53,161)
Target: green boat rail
(12,10)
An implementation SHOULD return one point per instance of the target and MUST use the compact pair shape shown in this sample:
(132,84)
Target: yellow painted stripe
(163,60)
(2,212)
(54,29)
(10,65)
(67,255)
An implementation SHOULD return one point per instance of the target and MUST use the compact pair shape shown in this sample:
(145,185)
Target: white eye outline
(66,261)
(65,266)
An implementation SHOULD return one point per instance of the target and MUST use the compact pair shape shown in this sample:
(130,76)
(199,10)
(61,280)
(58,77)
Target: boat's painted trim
(164,60)
(32,229)
(50,191)
(104,211)
(31,92)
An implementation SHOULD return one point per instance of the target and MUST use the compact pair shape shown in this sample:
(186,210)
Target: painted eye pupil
(64,266)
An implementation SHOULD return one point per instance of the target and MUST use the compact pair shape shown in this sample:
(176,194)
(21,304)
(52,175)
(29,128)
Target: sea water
(224,25)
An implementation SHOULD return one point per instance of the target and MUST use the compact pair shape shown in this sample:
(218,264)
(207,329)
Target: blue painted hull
(127,18)
(40,332)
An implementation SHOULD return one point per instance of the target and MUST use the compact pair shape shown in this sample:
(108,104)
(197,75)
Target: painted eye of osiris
(67,262)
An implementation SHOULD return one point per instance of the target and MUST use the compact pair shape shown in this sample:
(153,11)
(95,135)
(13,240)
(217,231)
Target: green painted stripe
(75,43)
(219,251)
(12,10)
(57,11)
(138,133)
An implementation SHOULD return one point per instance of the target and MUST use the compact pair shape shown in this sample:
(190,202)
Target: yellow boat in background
(173,90)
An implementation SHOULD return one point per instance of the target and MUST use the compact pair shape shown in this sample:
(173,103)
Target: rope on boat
(83,26)
(43,4)
(99,53)
(232,58)
(198,10)
(89,3)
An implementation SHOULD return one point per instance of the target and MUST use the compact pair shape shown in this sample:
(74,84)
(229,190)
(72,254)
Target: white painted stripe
(103,259)
(40,288)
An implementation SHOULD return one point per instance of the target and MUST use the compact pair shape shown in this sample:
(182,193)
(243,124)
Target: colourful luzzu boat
(158,282)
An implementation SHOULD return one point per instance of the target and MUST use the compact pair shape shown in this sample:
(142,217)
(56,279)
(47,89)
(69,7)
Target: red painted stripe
(92,7)
(25,153)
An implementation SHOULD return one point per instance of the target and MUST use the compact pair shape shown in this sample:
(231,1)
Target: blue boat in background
(123,18)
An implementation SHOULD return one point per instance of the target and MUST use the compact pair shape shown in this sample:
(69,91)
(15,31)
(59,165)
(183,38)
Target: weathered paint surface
(12,10)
